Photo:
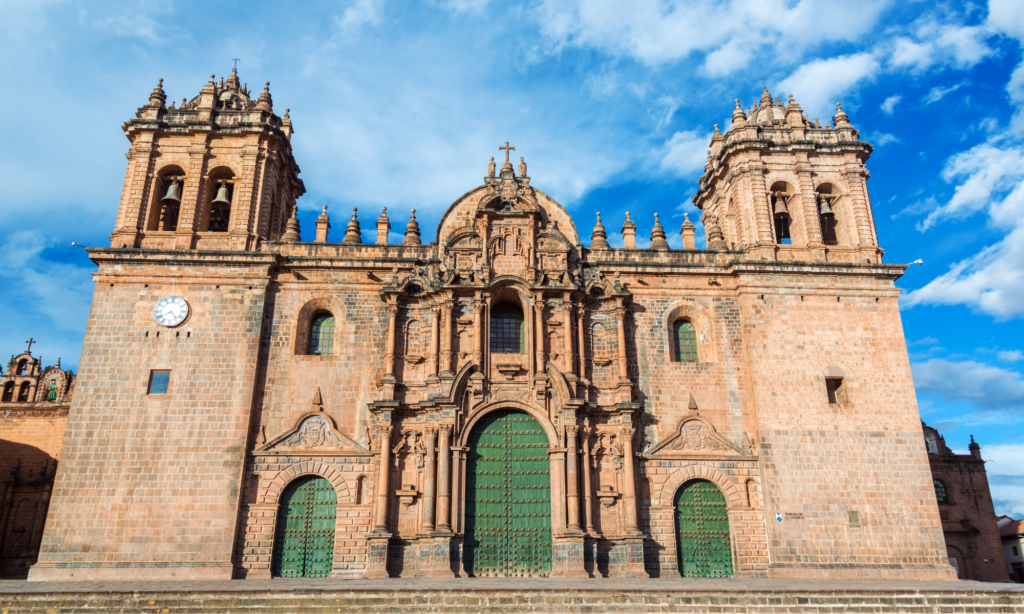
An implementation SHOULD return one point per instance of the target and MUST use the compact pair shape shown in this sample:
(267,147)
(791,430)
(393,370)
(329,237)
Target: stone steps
(467,600)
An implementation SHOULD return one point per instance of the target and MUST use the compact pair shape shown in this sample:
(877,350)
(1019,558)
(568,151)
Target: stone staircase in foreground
(471,597)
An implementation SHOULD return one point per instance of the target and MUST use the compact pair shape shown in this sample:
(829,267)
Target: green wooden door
(702,531)
(304,539)
(508,497)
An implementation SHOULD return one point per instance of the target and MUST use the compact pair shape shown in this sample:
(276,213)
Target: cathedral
(501,398)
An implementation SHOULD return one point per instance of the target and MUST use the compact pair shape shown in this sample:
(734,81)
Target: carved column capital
(392,310)
(430,430)
(570,431)
(627,433)
(445,430)
(385,430)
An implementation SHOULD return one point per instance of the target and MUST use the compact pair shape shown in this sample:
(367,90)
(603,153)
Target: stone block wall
(152,482)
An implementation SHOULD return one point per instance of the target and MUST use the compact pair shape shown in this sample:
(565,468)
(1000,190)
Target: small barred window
(506,329)
(321,335)
(684,336)
(940,492)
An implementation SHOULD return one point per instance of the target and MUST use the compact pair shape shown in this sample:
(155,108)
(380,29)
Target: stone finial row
(659,241)
(353,232)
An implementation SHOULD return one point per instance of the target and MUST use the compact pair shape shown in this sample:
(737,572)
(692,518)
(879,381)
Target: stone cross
(29,342)
(235,60)
(506,148)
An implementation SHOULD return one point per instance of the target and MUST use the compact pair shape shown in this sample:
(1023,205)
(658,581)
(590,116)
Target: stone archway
(703,541)
(508,526)
(304,536)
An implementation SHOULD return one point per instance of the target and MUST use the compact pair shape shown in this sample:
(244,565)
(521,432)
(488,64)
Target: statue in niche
(522,167)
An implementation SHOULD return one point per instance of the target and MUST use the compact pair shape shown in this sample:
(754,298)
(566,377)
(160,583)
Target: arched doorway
(508,497)
(703,546)
(304,538)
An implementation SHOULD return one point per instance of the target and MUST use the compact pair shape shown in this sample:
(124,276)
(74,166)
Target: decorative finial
(716,129)
(324,211)
(598,238)
(184,101)
(522,167)
(353,234)
(412,231)
(658,240)
(213,79)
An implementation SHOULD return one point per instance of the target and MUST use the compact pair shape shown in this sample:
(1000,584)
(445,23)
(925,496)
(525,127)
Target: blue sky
(400,104)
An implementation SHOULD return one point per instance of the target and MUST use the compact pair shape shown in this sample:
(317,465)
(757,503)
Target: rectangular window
(836,390)
(158,382)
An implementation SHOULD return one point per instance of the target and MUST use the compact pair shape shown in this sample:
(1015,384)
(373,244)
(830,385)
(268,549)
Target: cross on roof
(506,148)
(29,342)
(235,60)
(765,83)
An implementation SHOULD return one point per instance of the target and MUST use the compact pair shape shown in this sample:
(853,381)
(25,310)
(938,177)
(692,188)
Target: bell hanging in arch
(222,194)
(173,195)
(824,208)
(781,211)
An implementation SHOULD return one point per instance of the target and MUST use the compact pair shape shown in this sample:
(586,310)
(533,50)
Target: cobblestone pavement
(724,585)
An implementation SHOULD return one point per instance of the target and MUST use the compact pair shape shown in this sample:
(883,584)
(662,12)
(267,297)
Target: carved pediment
(313,433)
(696,435)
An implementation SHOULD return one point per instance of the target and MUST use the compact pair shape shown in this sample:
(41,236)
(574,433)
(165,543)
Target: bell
(824,209)
(173,194)
(222,195)
(780,206)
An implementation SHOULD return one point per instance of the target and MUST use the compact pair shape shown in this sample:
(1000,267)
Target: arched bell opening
(8,392)
(165,207)
(219,194)
(781,196)
(23,392)
(304,535)
(703,541)
(508,516)
(826,197)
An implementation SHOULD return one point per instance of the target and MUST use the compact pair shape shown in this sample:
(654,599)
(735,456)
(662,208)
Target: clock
(170,311)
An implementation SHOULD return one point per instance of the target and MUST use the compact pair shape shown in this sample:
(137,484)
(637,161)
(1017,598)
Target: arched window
(321,335)
(684,336)
(507,329)
(940,492)
(827,214)
(23,392)
(8,392)
(22,366)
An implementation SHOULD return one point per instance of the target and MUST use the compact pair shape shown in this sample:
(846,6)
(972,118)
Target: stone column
(478,320)
(389,352)
(538,312)
(859,204)
(571,482)
(629,497)
(588,492)
(384,479)
(568,354)
(581,340)
(435,313)
(620,325)
(446,338)
(444,478)
(430,481)
(808,206)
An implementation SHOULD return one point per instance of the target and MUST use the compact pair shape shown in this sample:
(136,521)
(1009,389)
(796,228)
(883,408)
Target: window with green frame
(940,492)
(506,329)
(321,335)
(684,336)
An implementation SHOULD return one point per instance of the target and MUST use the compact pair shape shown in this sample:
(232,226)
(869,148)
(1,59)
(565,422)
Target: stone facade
(33,415)
(773,368)
(969,522)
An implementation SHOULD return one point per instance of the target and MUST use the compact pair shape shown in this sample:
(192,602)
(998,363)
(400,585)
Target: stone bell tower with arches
(216,172)
(779,186)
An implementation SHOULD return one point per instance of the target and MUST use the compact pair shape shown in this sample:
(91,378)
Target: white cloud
(465,6)
(685,153)
(1007,17)
(360,13)
(938,93)
(986,169)
(1011,355)
(1004,464)
(817,84)
(932,43)
(881,139)
(890,104)
(986,387)
(730,32)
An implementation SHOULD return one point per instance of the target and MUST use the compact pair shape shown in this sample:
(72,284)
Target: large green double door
(702,531)
(508,497)
(304,538)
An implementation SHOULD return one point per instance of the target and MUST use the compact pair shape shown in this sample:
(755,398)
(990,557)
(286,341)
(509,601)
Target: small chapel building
(504,399)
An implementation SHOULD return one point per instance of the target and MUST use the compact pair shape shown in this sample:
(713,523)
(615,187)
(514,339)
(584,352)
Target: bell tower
(782,187)
(216,172)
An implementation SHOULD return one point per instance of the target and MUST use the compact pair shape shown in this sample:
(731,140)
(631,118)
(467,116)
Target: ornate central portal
(508,497)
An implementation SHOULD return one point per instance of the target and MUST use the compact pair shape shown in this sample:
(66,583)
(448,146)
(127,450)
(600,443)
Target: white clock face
(170,311)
